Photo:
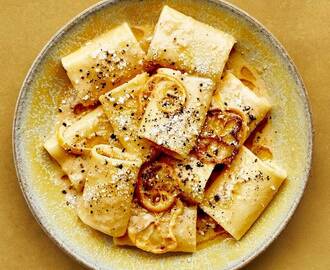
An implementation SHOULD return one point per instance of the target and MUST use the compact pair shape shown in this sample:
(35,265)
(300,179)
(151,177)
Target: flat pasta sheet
(183,43)
(232,94)
(177,131)
(105,204)
(124,107)
(104,63)
(241,192)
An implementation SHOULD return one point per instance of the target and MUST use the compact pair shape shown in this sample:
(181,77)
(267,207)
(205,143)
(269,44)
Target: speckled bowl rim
(22,178)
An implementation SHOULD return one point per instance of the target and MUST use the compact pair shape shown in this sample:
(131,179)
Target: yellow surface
(302,28)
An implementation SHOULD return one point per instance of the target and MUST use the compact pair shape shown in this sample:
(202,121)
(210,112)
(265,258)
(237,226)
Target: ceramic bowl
(40,177)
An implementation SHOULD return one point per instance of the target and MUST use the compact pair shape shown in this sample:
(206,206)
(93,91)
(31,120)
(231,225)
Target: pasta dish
(155,141)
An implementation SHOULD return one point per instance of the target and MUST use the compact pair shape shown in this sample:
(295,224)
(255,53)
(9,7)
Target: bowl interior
(44,88)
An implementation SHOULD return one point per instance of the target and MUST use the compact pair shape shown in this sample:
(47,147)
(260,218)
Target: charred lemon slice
(228,126)
(171,92)
(155,232)
(157,186)
(222,135)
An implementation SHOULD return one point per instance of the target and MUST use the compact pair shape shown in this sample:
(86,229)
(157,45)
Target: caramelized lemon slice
(155,232)
(157,186)
(170,91)
(222,135)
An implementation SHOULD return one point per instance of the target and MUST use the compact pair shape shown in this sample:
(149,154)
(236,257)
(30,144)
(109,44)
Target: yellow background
(303,29)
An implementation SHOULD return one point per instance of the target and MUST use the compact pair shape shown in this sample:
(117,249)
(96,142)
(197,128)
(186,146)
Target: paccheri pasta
(156,149)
